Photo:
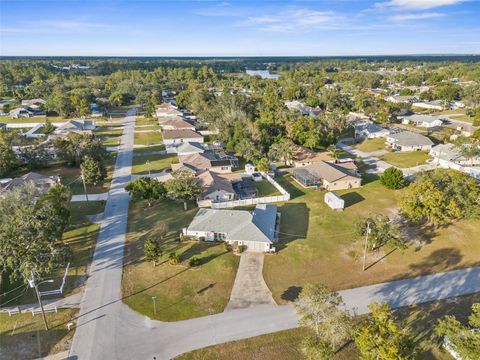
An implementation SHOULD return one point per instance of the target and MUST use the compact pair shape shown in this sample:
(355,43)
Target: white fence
(254,201)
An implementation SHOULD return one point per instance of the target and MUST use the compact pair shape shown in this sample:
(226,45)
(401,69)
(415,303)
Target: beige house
(177,137)
(215,187)
(197,163)
(330,176)
(176,124)
(304,156)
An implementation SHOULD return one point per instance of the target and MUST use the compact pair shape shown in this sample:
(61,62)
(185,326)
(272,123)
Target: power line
(9,291)
(16,297)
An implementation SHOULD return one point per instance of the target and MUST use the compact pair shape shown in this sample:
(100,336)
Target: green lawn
(151,122)
(406,159)
(266,189)
(465,118)
(24,337)
(109,137)
(149,148)
(369,145)
(36,119)
(80,236)
(285,345)
(157,163)
(181,292)
(318,245)
(148,138)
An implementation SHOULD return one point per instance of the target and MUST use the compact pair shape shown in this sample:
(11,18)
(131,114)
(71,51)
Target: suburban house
(42,183)
(302,108)
(190,148)
(167,109)
(177,137)
(427,121)
(176,123)
(409,141)
(449,156)
(303,156)
(431,105)
(400,99)
(34,103)
(256,229)
(215,187)
(25,112)
(197,163)
(95,110)
(76,126)
(370,130)
(330,176)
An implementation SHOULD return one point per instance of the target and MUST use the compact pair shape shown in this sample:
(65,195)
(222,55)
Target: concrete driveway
(250,288)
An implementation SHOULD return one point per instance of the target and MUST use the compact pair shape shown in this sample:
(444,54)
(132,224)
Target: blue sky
(251,28)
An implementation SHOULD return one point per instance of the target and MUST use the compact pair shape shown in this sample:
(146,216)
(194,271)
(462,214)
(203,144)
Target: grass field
(318,245)
(24,337)
(141,120)
(109,137)
(148,148)
(80,236)
(285,345)
(157,163)
(465,118)
(148,138)
(266,189)
(406,159)
(181,292)
(369,145)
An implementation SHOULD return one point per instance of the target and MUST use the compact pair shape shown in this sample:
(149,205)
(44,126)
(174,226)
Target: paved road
(91,197)
(249,288)
(94,337)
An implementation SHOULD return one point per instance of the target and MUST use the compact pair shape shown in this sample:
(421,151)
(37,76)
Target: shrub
(194,262)
(242,248)
(227,246)
(173,258)
(183,238)
(201,238)
(393,178)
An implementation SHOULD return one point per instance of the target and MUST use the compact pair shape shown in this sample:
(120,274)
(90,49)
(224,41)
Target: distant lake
(264,74)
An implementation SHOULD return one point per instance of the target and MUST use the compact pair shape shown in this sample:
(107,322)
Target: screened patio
(305,177)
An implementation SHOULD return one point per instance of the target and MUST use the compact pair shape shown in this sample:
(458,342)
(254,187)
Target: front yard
(318,245)
(152,163)
(148,138)
(369,145)
(406,159)
(24,337)
(285,345)
(181,292)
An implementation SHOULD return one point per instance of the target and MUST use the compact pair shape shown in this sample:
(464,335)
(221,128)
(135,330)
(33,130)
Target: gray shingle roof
(408,138)
(238,225)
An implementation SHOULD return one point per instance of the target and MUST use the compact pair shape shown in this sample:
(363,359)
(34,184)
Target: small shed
(334,201)
(256,176)
(249,168)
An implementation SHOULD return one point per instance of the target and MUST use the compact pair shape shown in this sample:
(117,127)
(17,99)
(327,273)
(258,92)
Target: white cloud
(408,17)
(296,19)
(416,4)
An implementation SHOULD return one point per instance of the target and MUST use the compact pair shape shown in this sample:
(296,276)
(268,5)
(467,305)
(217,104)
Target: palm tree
(334,152)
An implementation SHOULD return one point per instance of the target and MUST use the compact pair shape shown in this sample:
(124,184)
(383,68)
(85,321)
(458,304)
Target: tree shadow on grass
(352,198)
(438,260)
(292,293)
(286,181)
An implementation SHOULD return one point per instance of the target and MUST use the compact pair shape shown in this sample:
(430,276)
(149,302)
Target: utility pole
(366,246)
(32,284)
(84,187)
(154,304)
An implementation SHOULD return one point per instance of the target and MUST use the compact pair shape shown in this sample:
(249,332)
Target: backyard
(369,145)
(153,163)
(181,291)
(318,245)
(406,159)
(264,188)
(285,345)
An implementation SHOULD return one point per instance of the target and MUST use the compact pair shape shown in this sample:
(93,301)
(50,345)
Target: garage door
(255,246)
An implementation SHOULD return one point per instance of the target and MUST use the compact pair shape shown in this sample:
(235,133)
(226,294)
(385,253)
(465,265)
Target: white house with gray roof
(409,141)
(256,229)
(427,121)
(449,156)
(369,130)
